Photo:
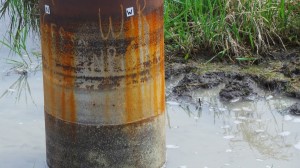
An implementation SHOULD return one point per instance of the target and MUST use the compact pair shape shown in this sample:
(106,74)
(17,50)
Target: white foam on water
(242,118)
(247,109)
(297,146)
(222,109)
(173,103)
(236,109)
(237,122)
(288,118)
(269,97)
(172,147)
(228,150)
(11,90)
(296,120)
(235,100)
(228,137)
(259,131)
(225,126)
(285,133)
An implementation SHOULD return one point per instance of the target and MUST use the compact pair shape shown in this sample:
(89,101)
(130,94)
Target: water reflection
(20,88)
(255,129)
(22,139)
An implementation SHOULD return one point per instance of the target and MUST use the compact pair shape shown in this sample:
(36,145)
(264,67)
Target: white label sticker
(47,9)
(129,11)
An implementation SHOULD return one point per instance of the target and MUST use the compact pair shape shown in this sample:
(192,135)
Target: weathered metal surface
(103,65)
(140,144)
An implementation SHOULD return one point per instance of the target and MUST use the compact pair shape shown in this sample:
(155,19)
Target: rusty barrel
(103,69)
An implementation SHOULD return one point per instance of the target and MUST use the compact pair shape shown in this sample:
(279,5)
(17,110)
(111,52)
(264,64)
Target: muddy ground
(278,72)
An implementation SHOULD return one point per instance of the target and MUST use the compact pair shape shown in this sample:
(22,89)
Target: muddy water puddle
(236,134)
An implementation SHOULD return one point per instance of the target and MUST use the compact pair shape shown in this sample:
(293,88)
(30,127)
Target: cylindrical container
(103,68)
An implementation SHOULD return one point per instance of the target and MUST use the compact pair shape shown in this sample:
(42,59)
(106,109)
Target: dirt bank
(278,73)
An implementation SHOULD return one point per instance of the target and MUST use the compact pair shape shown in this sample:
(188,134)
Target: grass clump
(23,16)
(239,29)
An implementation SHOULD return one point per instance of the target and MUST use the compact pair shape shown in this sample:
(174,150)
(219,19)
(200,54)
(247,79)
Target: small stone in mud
(235,88)
(295,109)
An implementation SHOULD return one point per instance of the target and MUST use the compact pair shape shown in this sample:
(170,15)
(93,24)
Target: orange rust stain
(72,104)
(68,60)
(107,108)
(48,71)
(132,99)
(162,73)
(58,49)
(63,104)
(156,44)
(139,29)
(144,93)
(154,28)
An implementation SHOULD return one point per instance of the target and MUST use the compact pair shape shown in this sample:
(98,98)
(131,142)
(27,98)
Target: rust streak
(139,31)
(73,116)
(49,56)
(153,49)
(162,72)
(58,49)
(144,98)
(63,104)
(107,108)
(131,56)
(68,59)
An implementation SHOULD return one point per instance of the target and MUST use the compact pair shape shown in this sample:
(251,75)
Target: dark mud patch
(278,73)
(193,81)
(291,65)
(294,109)
(237,86)
(177,69)
(239,89)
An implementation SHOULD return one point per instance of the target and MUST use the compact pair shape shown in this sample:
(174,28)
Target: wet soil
(295,109)
(278,73)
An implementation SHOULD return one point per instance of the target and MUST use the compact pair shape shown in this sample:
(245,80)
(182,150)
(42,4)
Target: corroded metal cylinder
(103,68)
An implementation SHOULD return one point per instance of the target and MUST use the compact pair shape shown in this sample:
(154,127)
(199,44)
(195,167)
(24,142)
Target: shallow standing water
(241,134)
(238,135)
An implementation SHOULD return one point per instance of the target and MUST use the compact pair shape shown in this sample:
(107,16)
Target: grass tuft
(239,30)
(23,16)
